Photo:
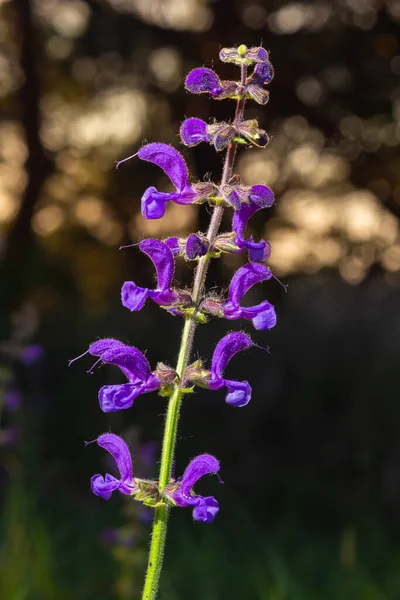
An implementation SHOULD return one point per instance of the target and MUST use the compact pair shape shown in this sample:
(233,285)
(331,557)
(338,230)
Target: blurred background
(310,508)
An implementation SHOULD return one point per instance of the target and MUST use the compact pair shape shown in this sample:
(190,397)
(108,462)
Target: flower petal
(169,160)
(133,296)
(261,195)
(203,80)
(129,359)
(163,259)
(245,278)
(104,487)
(153,203)
(203,464)
(239,392)
(263,73)
(206,509)
(195,247)
(226,348)
(119,397)
(193,131)
(118,449)
(266,318)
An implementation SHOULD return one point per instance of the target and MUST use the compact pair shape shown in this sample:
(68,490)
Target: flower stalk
(195,307)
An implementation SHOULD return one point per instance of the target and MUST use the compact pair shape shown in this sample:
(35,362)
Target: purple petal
(202,80)
(193,131)
(169,160)
(258,251)
(261,195)
(104,487)
(263,73)
(129,359)
(203,464)
(195,247)
(206,509)
(173,245)
(154,203)
(31,354)
(163,259)
(119,397)
(239,392)
(226,348)
(245,278)
(101,346)
(241,218)
(120,453)
(12,400)
(266,318)
(133,296)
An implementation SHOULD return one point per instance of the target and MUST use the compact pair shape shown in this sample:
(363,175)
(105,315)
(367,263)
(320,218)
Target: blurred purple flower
(12,400)
(31,354)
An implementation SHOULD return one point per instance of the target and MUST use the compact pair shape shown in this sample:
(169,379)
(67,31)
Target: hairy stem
(160,524)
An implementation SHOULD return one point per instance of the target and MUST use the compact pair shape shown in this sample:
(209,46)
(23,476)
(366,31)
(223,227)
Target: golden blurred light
(309,211)
(290,18)
(109,121)
(47,220)
(303,159)
(352,270)
(254,16)
(191,15)
(393,8)
(108,231)
(309,90)
(166,67)
(59,47)
(8,207)
(360,215)
(339,78)
(68,17)
(177,221)
(89,211)
(391,258)
(255,167)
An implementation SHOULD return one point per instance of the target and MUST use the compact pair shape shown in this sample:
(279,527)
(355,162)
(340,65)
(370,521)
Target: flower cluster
(197,306)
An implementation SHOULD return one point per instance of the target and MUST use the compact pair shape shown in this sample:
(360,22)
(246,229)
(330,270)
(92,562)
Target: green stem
(159,532)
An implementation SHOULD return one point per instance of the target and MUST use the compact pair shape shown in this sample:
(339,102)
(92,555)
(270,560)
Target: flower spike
(134,297)
(204,508)
(134,366)
(239,392)
(173,165)
(262,315)
(105,486)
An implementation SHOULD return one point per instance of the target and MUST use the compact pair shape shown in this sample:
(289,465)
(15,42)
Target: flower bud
(197,375)
(226,243)
(213,307)
(165,373)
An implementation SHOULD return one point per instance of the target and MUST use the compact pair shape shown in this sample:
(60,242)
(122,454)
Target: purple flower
(174,245)
(258,251)
(203,80)
(134,366)
(195,247)
(239,392)
(12,400)
(134,297)
(31,354)
(262,315)
(105,486)
(204,508)
(263,73)
(173,165)
(193,131)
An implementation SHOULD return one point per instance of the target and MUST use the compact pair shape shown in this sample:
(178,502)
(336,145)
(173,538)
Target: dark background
(310,506)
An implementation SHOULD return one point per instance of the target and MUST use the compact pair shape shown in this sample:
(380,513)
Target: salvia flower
(105,486)
(239,392)
(193,131)
(262,315)
(160,253)
(205,508)
(173,165)
(258,251)
(134,366)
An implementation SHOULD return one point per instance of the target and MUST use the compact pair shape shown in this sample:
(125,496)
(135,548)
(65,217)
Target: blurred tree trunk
(19,243)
